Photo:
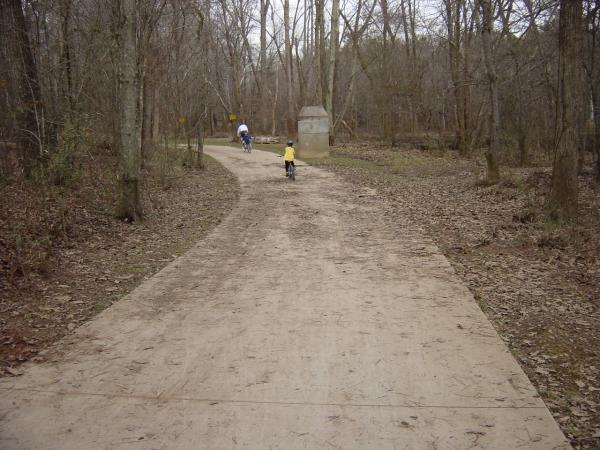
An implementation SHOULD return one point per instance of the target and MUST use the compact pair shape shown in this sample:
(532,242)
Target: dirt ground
(307,319)
(65,258)
(538,282)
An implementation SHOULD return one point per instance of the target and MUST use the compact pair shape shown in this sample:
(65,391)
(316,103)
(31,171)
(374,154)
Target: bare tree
(356,29)
(149,16)
(129,207)
(264,64)
(563,202)
(388,91)
(24,98)
(491,156)
(592,69)
(66,63)
(289,70)
(319,45)
(333,49)
(456,12)
(412,92)
(408,75)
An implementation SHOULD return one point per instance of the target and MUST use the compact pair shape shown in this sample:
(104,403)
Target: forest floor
(538,282)
(65,258)
(306,319)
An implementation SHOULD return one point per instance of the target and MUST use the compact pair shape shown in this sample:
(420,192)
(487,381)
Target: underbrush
(55,206)
(64,255)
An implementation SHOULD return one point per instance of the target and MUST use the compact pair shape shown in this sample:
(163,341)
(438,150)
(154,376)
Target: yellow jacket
(289,154)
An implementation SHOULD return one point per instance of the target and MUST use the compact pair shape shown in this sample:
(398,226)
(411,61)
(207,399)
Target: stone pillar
(313,132)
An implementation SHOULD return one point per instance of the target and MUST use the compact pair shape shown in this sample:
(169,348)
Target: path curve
(306,320)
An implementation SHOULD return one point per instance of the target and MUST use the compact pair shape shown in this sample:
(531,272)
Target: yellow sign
(232,117)
(181,120)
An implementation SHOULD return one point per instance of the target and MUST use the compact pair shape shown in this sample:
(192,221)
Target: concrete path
(306,320)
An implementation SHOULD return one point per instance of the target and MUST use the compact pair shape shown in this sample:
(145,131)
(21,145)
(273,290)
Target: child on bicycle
(288,156)
(246,138)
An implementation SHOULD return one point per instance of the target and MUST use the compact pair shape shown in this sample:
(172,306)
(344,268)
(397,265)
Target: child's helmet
(290,142)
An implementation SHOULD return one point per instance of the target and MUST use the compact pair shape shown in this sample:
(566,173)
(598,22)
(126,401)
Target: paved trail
(306,320)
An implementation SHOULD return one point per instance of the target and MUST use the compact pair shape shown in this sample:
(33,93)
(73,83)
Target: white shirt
(241,128)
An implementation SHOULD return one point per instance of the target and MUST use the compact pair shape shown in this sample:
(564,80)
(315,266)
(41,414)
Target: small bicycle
(246,146)
(246,142)
(291,172)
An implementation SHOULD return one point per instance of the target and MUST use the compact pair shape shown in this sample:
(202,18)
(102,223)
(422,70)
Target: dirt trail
(305,320)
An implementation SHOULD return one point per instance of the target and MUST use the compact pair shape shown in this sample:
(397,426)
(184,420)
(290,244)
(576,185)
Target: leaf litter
(64,257)
(537,281)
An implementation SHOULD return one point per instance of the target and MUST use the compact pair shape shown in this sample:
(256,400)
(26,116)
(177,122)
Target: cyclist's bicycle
(291,172)
(246,146)
(246,142)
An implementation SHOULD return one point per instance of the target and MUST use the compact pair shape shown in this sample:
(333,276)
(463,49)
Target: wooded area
(515,79)
(477,120)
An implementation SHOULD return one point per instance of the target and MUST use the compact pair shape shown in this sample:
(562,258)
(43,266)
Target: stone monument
(313,132)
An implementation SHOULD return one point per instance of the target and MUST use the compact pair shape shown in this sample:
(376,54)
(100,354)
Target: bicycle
(291,172)
(246,147)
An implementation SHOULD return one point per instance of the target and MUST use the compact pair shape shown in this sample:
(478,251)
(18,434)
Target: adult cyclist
(244,135)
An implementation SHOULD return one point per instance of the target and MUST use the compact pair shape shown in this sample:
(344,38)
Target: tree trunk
(388,98)
(350,89)
(147,106)
(461,113)
(491,156)
(563,202)
(319,50)
(413,96)
(23,86)
(592,27)
(333,47)
(235,60)
(264,67)
(211,118)
(274,109)
(596,109)
(155,117)
(301,75)
(548,83)
(522,144)
(522,127)
(200,146)
(67,83)
(129,207)
(291,110)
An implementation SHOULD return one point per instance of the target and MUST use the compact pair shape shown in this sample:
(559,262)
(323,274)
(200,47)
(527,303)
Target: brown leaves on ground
(538,282)
(65,257)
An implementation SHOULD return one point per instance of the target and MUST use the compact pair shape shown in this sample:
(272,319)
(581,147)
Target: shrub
(61,168)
